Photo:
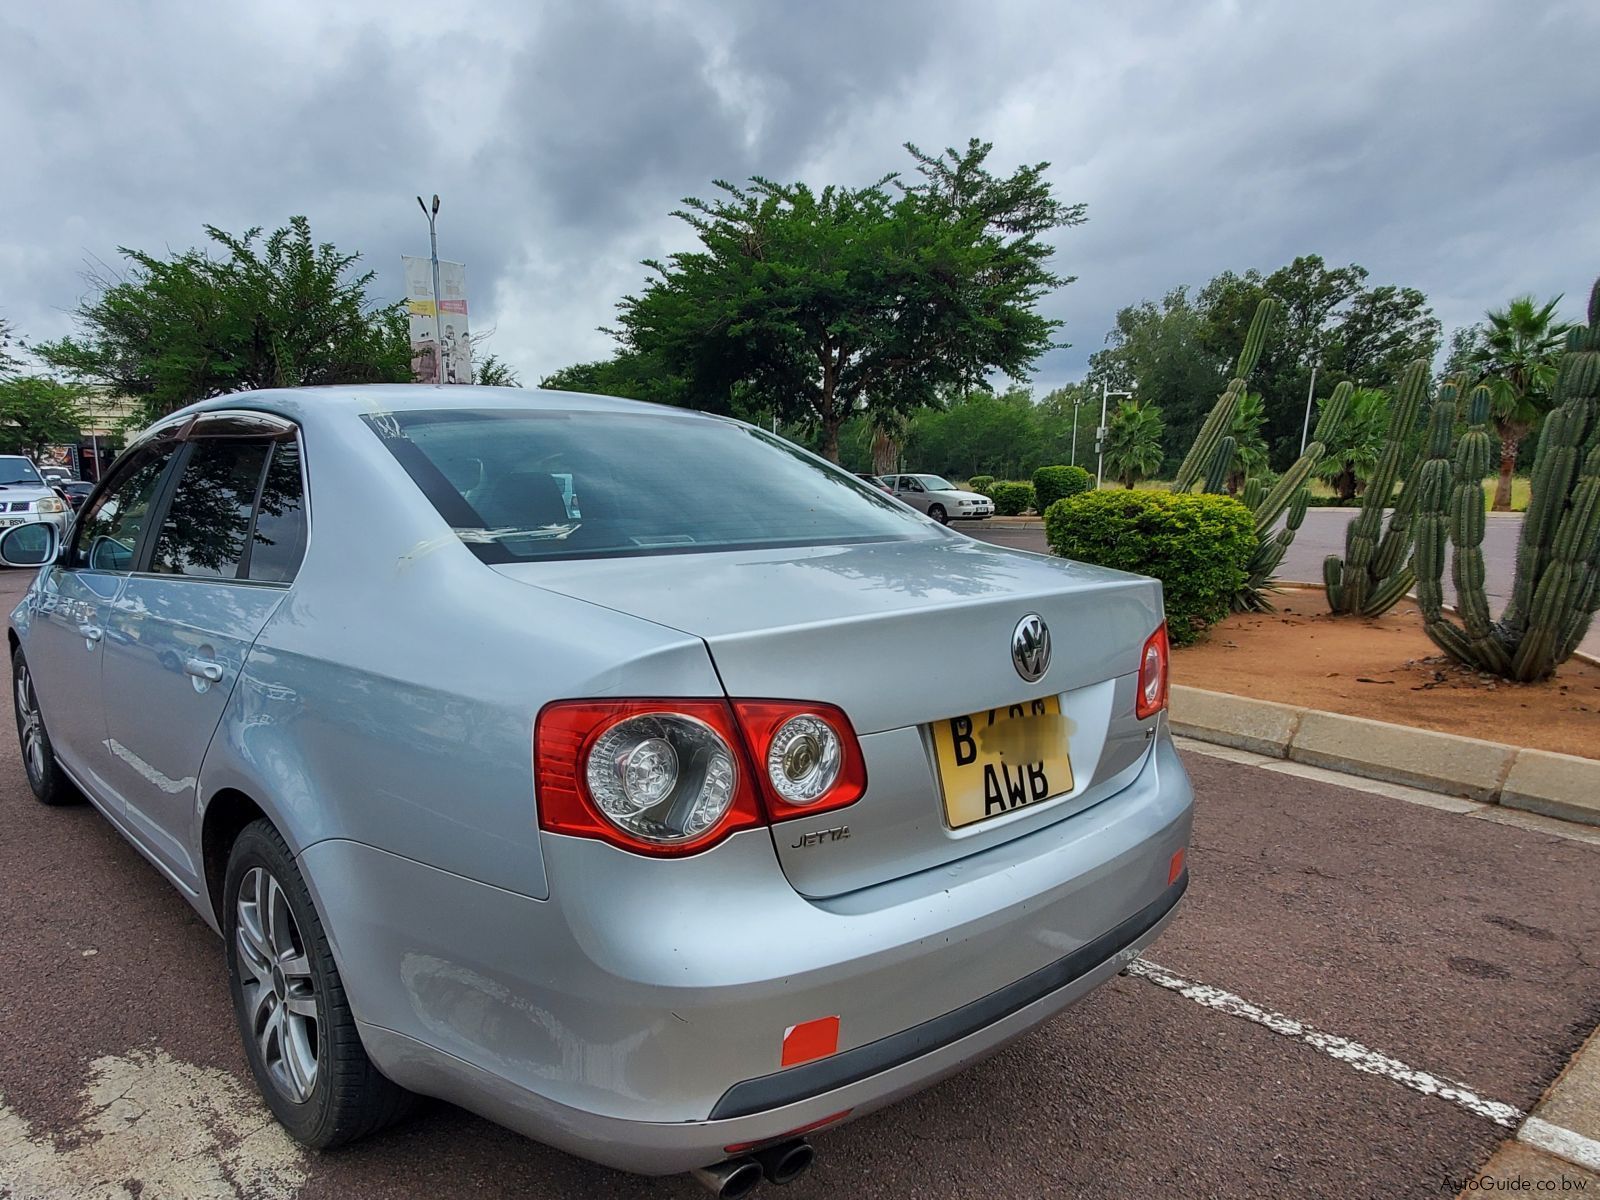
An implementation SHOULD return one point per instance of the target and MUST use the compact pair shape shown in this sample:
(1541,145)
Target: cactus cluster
(1288,499)
(1376,570)
(1557,587)
(1212,453)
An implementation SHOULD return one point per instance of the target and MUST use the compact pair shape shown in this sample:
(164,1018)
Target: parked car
(874,481)
(940,498)
(25,497)
(75,492)
(602,825)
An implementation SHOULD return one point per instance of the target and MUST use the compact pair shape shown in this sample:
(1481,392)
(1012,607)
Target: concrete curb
(1556,785)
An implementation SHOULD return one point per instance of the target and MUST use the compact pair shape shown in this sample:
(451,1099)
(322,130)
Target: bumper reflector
(810,1040)
(1175,868)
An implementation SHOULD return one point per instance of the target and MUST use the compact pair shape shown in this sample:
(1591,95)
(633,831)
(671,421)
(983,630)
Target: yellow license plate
(1002,759)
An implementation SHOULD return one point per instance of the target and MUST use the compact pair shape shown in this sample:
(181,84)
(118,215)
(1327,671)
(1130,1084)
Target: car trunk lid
(900,635)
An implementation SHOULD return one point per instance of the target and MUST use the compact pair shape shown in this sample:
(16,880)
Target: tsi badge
(835,834)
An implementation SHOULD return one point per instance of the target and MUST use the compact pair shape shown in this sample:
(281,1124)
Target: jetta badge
(1030,647)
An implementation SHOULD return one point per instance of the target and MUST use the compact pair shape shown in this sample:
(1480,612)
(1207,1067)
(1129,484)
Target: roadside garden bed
(1387,669)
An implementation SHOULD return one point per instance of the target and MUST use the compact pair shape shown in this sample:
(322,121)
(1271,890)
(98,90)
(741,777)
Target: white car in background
(939,498)
(26,498)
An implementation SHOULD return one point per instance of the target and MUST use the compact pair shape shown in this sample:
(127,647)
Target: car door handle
(90,634)
(203,668)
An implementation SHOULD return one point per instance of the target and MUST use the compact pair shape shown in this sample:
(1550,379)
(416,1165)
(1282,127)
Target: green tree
(1161,352)
(273,311)
(36,412)
(494,371)
(8,361)
(812,306)
(1330,321)
(1515,352)
(1250,448)
(1133,442)
(1354,446)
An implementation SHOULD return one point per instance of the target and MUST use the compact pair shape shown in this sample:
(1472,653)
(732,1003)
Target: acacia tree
(274,311)
(8,363)
(810,306)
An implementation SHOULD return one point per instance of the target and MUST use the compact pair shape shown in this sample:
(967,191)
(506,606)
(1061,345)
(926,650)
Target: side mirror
(29,545)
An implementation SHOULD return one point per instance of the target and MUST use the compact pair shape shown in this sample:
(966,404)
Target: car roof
(360,399)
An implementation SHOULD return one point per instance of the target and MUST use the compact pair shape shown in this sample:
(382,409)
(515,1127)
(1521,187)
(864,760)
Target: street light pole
(1305,426)
(433,246)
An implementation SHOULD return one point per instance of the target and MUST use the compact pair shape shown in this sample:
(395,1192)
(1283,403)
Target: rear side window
(207,525)
(521,485)
(237,512)
(279,540)
(107,535)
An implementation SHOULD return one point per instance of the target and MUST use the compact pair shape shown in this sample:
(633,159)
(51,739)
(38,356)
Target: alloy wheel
(32,726)
(280,991)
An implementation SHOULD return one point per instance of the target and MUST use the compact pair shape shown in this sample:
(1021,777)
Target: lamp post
(1100,434)
(433,249)
(1305,426)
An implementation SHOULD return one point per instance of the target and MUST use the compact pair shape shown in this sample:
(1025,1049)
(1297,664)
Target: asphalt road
(1322,534)
(1456,945)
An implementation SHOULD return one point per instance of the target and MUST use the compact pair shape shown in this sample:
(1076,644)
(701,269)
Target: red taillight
(783,736)
(672,777)
(1152,695)
(683,734)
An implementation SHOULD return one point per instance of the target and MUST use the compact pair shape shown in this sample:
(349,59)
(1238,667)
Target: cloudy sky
(1453,146)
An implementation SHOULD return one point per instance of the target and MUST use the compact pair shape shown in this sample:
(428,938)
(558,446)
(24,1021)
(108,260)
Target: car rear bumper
(664,1148)
(637,1017)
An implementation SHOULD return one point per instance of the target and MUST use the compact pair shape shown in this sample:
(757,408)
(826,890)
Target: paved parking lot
(1356,991)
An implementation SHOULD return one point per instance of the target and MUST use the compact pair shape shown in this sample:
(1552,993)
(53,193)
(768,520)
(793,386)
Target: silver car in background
(939,498)
(27,498)
(602,822)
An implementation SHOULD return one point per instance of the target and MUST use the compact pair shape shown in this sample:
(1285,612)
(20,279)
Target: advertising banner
(431,363)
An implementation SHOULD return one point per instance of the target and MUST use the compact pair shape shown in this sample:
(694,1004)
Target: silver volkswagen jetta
(624,774)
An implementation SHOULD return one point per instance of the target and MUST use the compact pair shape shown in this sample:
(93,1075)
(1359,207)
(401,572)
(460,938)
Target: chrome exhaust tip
(787,1162)
(732,1179)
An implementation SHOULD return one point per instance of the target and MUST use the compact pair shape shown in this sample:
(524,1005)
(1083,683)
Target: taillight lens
(653,776)
(1152,697)
(807,755)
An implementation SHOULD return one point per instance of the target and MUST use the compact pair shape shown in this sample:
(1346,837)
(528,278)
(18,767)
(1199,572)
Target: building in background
(431,363)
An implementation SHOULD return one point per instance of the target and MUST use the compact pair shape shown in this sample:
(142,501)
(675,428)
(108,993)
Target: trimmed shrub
(1011,499)
(1198,546)
(1057,483)
(981,484)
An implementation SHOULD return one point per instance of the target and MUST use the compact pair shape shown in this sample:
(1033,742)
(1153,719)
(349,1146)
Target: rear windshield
(520,486)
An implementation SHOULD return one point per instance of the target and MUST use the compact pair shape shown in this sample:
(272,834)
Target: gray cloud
(1446,145)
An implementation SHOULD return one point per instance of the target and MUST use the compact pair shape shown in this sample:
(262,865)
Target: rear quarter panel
(391,698)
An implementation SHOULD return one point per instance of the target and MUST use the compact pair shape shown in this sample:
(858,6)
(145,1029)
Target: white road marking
(1563,1143)
(1362,1058)
(155,1127)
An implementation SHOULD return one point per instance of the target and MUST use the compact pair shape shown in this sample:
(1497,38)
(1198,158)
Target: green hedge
(1057,483)
(1198,546)
(981,484)
(1011,499)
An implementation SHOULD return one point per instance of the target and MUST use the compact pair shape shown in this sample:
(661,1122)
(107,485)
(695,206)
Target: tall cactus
(1201,458)
(1376,571)
(1288,499)
(1557,587)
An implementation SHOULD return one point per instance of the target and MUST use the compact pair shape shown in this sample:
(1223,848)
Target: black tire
(47,780)
(936,511)
(348,1098)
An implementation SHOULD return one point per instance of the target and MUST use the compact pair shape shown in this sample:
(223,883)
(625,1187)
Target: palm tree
(1133,442)
(889,429)
(1516,355)
(1356,444)
(1250,448)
